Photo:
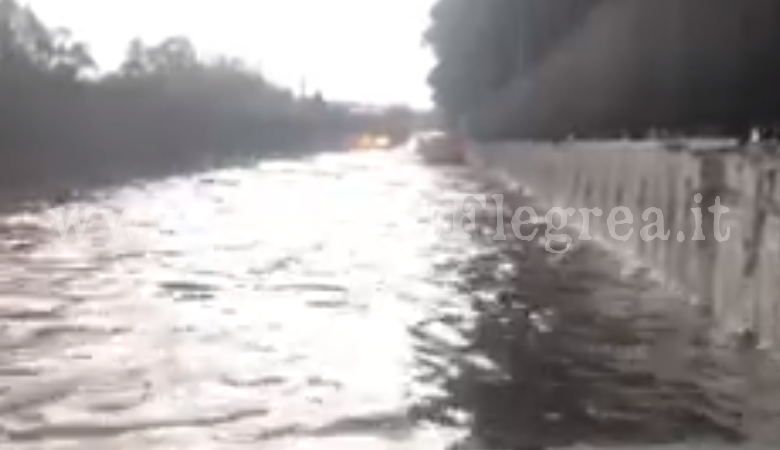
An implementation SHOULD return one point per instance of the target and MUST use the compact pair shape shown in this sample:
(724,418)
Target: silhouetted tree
(166,108)
(679,64)
(483,46)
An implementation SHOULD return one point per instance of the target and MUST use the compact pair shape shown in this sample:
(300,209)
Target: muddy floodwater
(315,304)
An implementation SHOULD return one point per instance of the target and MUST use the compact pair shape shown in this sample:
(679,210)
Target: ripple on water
(189,290)
(316,305)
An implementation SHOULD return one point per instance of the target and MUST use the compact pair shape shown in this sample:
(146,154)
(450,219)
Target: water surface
(314,303)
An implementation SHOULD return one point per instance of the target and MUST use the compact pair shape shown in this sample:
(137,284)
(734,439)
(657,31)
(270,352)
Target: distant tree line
(165,109)
(601,67)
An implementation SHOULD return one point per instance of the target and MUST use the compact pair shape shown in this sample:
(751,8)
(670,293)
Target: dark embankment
(164,110)
(530,68)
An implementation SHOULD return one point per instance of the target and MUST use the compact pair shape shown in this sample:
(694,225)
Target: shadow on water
(550,350)
(58,191)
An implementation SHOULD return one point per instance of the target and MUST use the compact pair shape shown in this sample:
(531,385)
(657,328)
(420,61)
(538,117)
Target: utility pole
(302,88)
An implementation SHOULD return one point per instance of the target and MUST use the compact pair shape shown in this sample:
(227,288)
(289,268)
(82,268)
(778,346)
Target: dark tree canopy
(535,68)
(166,108)
(482,46)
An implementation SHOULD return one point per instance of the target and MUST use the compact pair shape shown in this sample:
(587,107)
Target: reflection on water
(314,304)
(560,350)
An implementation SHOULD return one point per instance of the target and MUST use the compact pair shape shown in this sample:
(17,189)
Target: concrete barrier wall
(736,281)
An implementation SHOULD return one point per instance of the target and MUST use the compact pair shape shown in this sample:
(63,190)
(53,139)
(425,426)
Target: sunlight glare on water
(314,304)
(262,302)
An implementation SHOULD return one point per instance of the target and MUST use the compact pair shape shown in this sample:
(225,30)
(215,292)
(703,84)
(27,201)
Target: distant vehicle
(372,142)
(441,148)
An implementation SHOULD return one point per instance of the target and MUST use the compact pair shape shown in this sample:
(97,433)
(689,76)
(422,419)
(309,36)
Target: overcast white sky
(366,50)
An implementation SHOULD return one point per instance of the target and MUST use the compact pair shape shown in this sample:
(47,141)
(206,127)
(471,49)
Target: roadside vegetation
(166,109)
(605,68)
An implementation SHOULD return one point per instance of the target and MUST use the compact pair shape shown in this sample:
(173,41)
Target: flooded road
(314,304)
